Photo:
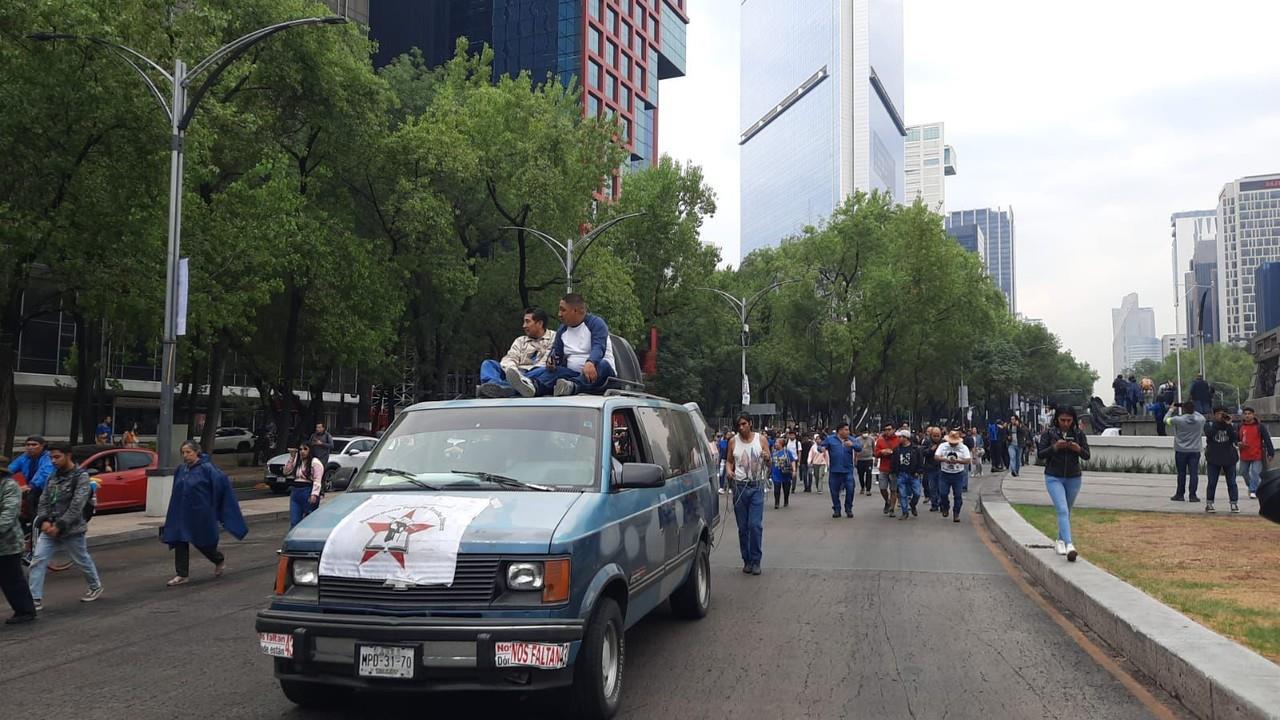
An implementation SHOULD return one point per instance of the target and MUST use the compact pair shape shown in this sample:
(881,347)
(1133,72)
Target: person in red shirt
(1256,450)
(886,443)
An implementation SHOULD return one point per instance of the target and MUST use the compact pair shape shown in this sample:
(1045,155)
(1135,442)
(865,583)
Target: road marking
(1139,691)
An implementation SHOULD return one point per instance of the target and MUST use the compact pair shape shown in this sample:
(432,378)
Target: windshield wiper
(411,477)
(503,480)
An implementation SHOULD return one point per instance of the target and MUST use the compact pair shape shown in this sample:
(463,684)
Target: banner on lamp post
(184,283)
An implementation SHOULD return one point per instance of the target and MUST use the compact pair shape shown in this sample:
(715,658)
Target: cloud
(1094,120)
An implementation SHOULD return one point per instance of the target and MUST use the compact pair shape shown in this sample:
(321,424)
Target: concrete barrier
(1214,677)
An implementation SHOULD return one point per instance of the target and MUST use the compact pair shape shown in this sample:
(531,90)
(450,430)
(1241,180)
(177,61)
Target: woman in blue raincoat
(202,501)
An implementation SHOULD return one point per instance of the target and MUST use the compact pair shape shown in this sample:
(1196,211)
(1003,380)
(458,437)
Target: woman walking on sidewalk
(1063,446)
(202,500)
(308,478)
(817,465)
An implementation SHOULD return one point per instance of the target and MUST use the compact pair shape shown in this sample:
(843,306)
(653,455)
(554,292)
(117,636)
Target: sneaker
(904,516)
(565,387)
(1208,507)
(1235,508)
(836,514)
(945,513)
(721,491)
(492,390)
(913,511)
(1194,498)
(521,384)
(1253,496)
(91,594)
(893,512)
(786,504)
(1177,498)
(776,506)
(886,509)
(746,569)
(848,513)
(1071,553)
(39,604)
(956,517)
(1061,547)
(20,619)
(755,569)
(933,508)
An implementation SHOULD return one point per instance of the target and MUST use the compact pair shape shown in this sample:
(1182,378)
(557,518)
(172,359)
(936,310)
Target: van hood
(515,522)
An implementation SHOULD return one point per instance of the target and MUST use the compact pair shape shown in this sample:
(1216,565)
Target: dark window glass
(134,460)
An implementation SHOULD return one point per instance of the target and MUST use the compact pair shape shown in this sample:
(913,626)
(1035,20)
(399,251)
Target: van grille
(474,582)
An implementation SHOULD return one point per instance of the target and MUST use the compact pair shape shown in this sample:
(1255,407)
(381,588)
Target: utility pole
(743,306)
(564,251)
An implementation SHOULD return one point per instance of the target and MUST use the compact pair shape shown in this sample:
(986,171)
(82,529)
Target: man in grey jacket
(1188,439)
(529,351)
(61,524)
(12,583)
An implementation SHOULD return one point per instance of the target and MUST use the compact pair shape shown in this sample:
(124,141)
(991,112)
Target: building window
(593,73)
(626,66)
(594,8)
(611,21)
(593,106)
(913,135)
(597,41)
(932,133)
(930,162)
(611,54)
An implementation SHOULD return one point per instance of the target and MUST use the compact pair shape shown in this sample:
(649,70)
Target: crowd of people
(906,465)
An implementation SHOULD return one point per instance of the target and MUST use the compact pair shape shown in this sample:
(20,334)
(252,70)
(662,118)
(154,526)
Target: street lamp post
(179,110)
(743,307)
(564,251)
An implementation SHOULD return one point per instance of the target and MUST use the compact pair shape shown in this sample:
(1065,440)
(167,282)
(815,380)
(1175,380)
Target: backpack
(90,505)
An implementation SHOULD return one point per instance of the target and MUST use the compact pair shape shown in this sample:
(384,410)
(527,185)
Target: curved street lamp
(564,251)
(743,306)
(179,111)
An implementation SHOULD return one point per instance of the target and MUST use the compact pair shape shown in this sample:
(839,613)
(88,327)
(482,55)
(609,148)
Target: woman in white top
(818,463)
(748,464)
(308,479)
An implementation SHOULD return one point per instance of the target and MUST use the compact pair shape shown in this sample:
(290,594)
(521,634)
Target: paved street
(869,618)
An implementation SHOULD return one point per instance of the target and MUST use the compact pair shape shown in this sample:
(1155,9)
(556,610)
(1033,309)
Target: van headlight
(306,572)
(524,576)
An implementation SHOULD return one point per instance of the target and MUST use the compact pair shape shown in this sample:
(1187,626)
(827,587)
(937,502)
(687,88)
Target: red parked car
(121,474)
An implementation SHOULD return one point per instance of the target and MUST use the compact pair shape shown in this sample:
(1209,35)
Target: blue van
(498,545)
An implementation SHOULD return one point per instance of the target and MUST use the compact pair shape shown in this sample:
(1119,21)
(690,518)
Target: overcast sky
(1093,120)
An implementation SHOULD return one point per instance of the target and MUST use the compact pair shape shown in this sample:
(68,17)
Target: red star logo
(395,540)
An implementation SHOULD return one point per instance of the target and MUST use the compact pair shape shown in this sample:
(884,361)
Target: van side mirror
(641,475)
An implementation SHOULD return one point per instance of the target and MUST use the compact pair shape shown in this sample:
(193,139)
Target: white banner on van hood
(402,538)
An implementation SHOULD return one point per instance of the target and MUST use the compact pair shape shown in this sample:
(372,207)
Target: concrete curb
(1214,677)
(153,532)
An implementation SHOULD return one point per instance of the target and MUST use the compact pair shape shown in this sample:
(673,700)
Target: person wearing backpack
(61,522)
(12,584)
(202,500)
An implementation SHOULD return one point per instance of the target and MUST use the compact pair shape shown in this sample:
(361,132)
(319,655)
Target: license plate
(276,644)
(386,661)
(547,656)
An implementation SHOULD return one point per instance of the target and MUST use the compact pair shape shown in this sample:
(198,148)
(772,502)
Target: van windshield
(483,447)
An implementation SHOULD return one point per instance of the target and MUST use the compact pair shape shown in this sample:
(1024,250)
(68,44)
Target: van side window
(662,439)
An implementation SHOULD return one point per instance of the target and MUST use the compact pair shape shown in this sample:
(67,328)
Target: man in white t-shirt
(955,458)
(581,359)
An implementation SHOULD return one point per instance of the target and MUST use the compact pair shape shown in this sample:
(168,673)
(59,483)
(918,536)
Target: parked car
(500,545)
(233,439)
(349,453)
(121,474)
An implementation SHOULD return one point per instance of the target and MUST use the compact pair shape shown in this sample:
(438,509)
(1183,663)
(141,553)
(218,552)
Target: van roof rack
(633,394)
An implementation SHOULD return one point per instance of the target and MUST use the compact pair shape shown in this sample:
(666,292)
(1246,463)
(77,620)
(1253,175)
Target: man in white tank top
(747,462)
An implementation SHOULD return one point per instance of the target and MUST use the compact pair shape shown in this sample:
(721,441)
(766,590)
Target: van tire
(692,599)
(596,694)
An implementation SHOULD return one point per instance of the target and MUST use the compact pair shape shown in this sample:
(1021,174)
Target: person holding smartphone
(308,478)
(1063,446)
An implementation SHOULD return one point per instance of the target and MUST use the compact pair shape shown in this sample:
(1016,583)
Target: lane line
(1157,708)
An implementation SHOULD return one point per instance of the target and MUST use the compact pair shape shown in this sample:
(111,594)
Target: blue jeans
(1015,459)
(1188,463)
(299,504)
(908,484)
(953,483)
(491,372)
(76,547)
(835,482)
(748,509)
(1233,492)
(931,486)
(1204,407)
(545,380)
(1251,470)
(1063,492)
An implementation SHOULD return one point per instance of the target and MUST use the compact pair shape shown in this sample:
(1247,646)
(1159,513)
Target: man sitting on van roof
(581,359)
(529,351)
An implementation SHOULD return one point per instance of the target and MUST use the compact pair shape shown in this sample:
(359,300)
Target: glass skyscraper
(821,110)
(1248,235)
(997,228)
(618,49)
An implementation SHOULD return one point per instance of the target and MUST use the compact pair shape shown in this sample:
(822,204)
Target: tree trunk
(217,368)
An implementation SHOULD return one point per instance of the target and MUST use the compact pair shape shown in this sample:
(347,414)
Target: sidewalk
(1213,676)
(109,529)
(1125,491)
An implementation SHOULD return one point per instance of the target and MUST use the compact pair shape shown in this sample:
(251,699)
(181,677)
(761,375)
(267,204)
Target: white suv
(347,456)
